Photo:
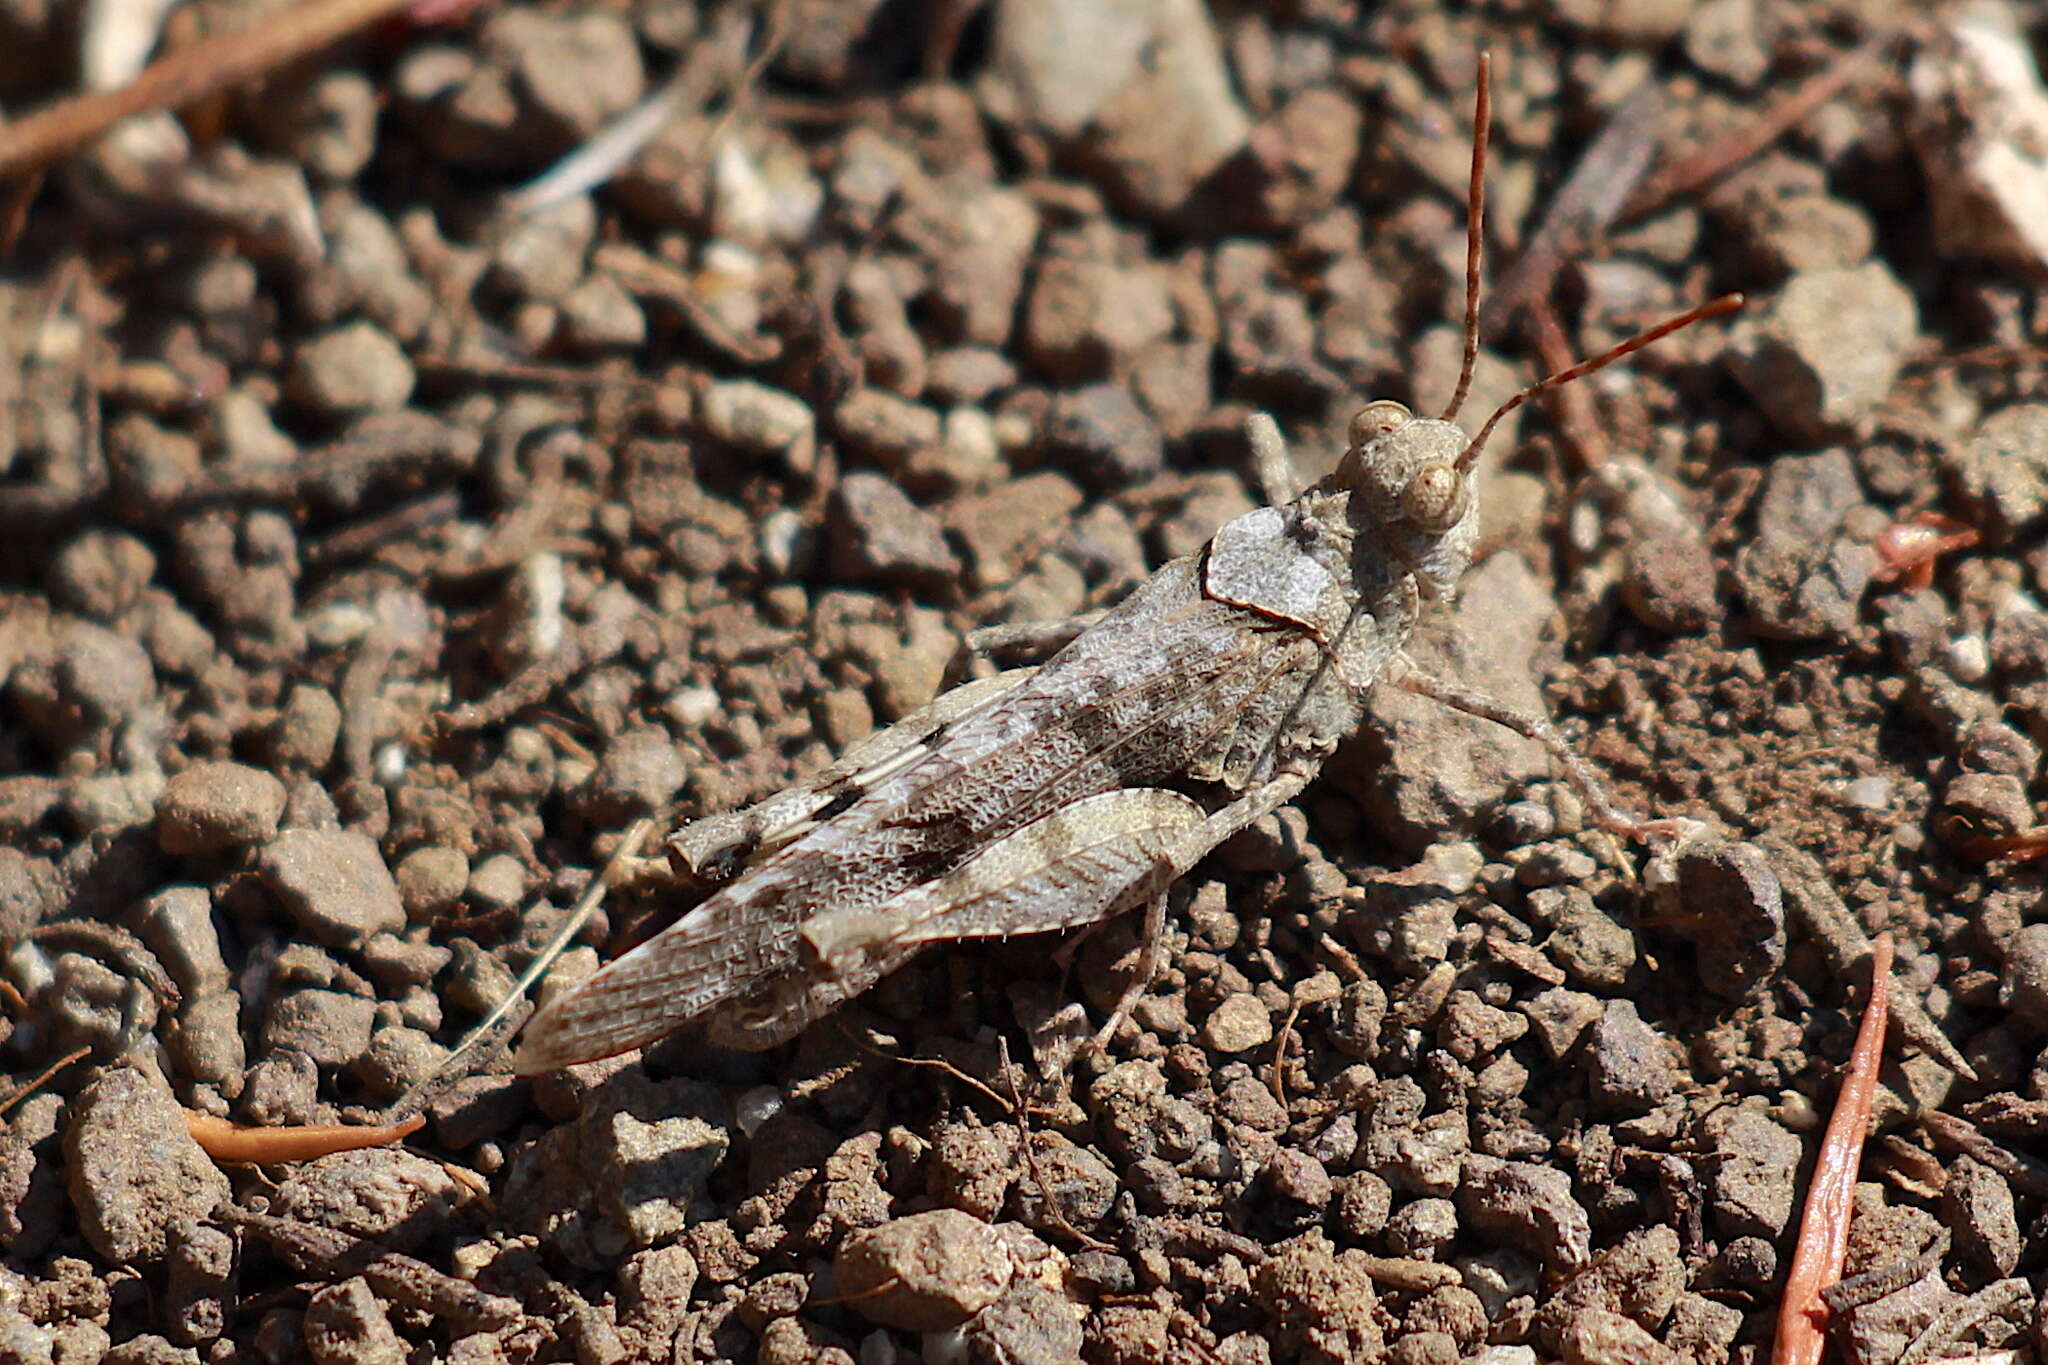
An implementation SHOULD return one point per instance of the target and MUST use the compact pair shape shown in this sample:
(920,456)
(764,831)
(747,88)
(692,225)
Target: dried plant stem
(41,1079)
(259,1146)
(1708,163)
(1824,1229)
(206,68)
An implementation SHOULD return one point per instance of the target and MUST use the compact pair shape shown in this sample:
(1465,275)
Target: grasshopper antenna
(1714,308)
(1475,231)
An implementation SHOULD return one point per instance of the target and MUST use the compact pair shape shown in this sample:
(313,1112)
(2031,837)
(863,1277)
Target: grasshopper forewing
(1054,798)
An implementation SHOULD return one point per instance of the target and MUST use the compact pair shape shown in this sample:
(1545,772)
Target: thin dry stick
(1281,1042)
(936,1063)
(259,1146)
(1824,1229)
(1052,1208)
(204,69)
(2026,1175)
(1571,407)
(1731,149)
(38,1081)
(14,214)
(2022,847)
(1582,209)
(572,925)
(486,370)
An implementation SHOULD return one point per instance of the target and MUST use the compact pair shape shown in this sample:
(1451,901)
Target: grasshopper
(1058,797)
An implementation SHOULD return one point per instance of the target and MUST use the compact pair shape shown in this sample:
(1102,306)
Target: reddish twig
(1281,1042)
(258,1146)
(1710,162)
(37,1082)
(204,69)
(1571,407)
(1824,1229)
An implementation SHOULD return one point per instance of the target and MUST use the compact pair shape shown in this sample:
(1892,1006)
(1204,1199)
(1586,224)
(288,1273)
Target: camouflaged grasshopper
(1056,797)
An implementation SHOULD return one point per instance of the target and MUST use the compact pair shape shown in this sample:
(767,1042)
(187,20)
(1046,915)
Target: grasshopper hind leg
(1171,866)
(1080,865)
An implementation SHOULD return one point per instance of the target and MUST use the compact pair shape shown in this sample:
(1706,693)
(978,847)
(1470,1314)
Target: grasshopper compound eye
(1375,420)
(1435,498)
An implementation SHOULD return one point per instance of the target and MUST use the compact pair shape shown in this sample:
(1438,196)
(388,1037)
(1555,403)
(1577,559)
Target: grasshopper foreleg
(1273,468)
(1536,726)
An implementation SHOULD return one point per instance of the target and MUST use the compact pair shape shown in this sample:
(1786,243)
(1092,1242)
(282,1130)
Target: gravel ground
(381,535)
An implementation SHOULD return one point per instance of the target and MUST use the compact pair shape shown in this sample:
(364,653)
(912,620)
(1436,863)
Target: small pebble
(1980,805)
(1592,947)
(758,420)
(134,1174)
(102,573)
(387,1194)
(1422,1229)
(576,71)
(345,1324)
(499,882)
(355,369)
(1081,1185)
(431,879)
(1003,529)
(925,1273)
(2003,467)
(196,1300)
(475,981)
(541,254)
(1725,899)
(1238,1024)
(331,1028)
(1529,1207)
(877,534)
(334,883)
(1628,1062)
(1299,1179)
(1821,355)
(306,729)
(211,807)
(2024,987)
(1032,1322)
(177,924)
(31,1180)
(1101,436)
(1597,1336)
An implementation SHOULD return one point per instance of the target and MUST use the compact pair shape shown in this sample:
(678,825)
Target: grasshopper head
(1408,488)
